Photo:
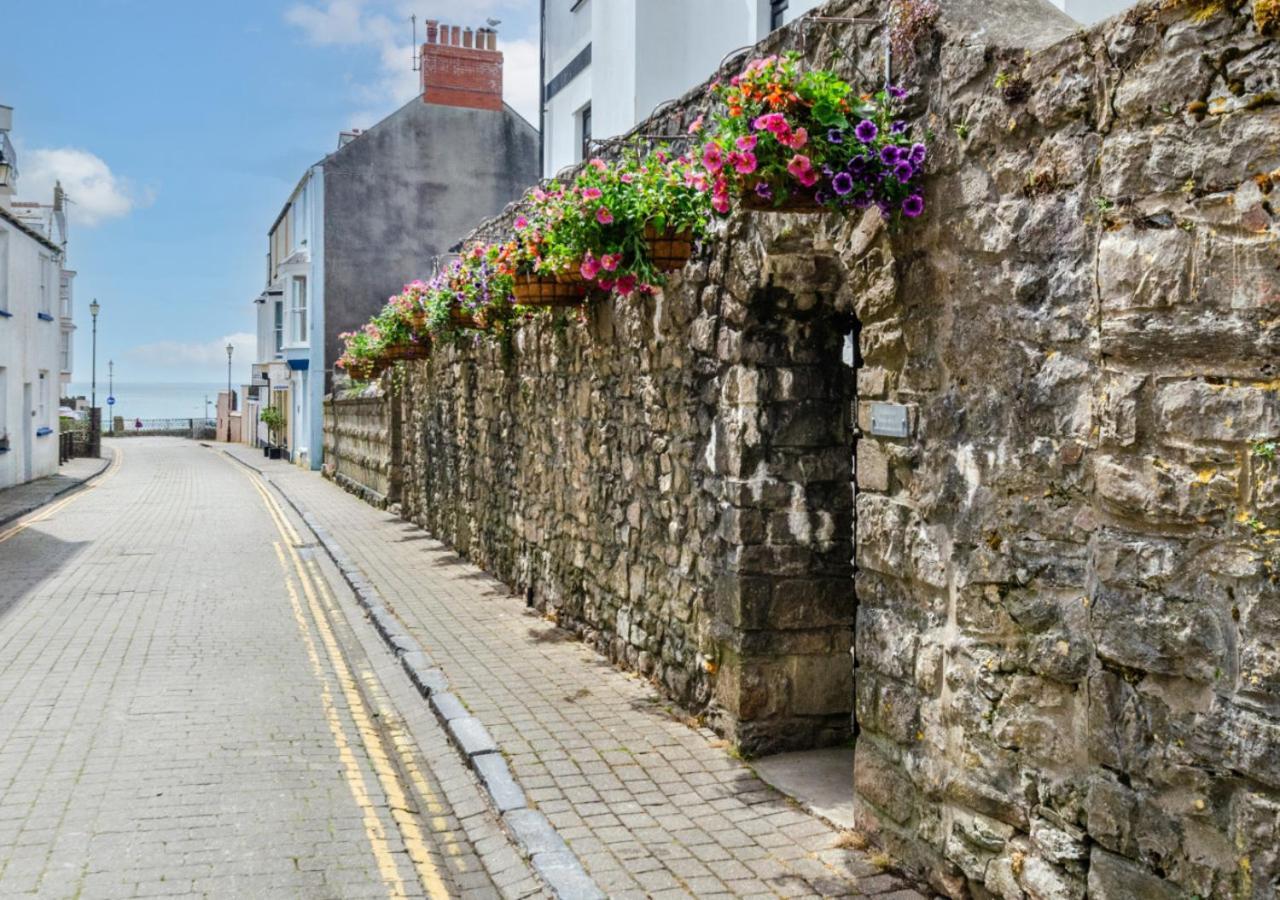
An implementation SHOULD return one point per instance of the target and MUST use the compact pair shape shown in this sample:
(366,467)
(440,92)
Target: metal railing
(194,428)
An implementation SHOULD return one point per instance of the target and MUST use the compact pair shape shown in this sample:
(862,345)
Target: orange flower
(735,111)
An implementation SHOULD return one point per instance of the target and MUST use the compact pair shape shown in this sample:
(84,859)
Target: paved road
(185,709)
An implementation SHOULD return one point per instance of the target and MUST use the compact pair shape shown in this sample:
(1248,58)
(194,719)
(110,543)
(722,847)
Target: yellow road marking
(355,778)
(398,800)
(42,515)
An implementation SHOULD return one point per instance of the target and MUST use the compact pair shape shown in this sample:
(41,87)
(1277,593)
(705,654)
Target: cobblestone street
(185,711)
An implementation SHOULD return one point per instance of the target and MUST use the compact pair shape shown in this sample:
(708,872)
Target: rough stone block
(1195,411)
(1036,717)
(872,466)
(823,685)
(1112,877)
(1160,490)
(881,783)
(1154,633)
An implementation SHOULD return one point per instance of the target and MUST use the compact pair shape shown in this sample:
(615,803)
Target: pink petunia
(745,163)
(590,267)
(746,142)
(696,125)
(591,193)
(603,216)
(720,203)
(772,122)
(598,163)
(626,284)
(521,223)
(796,139)
(605,284)
(610,261)
(712,158)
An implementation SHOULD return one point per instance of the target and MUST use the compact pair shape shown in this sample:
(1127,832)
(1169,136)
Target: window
(777,13)
(4,269)
(42,398)
(279,325)
(300,213)
(66,351)
(298,310)
(585,116)
(64,294)
(45,262)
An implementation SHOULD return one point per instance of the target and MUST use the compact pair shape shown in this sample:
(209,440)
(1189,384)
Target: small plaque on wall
(890,420)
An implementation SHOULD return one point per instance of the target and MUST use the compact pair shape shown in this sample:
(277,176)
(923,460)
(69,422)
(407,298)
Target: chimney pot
(461,67)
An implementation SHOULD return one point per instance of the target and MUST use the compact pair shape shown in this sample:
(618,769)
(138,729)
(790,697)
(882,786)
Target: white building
(50,220)
(30,364)
(607,64)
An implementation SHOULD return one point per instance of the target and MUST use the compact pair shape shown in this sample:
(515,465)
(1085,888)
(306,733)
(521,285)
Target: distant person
(137,424)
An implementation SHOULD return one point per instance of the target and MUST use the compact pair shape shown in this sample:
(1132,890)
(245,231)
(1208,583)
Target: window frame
(298,310)
(584,131)
(778,14)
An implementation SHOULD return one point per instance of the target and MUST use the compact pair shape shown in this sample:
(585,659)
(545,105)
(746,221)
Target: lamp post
(95,417)
(111,371)
(230,349)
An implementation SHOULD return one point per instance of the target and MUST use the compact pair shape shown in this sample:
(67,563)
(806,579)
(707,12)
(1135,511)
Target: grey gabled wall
(403,192)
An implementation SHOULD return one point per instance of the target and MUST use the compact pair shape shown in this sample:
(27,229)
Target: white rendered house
(30,336)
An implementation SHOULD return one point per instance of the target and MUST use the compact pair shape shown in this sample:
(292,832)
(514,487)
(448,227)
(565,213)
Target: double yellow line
(43,514)
(314,587)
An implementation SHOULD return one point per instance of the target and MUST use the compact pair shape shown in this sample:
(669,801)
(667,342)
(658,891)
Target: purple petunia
(898,127)
(763,191)
(835,136)
(857,164)
(890,154)
(821,197)
(866,131)
(913,206)
(896,92)
(842,183)
(903,171)
(917,155)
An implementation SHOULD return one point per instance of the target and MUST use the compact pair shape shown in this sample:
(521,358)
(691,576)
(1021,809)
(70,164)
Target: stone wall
(670,477)
(362,446)
(1068,575)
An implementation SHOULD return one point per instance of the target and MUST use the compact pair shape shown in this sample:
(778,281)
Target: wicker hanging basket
(539,290)
(361,372)
(460,318)
(795,203)
(406,350)
(669,250)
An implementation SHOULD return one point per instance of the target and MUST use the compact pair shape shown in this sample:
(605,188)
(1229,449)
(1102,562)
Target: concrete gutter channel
(531,831)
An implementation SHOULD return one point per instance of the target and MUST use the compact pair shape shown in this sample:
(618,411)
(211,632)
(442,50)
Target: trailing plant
(784,133)
(909,22)
(596,227)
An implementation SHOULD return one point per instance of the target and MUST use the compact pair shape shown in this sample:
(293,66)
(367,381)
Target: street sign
(111,401)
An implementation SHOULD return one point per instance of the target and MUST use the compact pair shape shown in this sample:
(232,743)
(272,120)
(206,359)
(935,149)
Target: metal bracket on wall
(890,420)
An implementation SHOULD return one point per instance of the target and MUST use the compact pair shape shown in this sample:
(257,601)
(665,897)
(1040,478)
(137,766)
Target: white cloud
(95,192)
(197,357)
(383,26)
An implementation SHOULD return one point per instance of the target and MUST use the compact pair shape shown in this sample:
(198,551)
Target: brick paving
(20,499)
(651,806)
(163,729)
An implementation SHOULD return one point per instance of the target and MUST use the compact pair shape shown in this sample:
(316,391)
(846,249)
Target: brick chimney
(461,67)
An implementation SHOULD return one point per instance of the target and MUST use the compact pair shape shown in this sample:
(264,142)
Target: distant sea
(150,400)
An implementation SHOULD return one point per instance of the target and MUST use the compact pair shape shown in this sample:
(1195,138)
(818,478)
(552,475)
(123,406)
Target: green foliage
(1266,450)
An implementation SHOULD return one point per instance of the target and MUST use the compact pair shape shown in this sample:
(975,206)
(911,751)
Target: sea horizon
(154,400)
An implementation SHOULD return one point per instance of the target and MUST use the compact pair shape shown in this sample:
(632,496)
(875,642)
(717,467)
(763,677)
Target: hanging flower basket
(539,290)
(669,250)
(460,318)
(406,350)
(796,202)
(362,371)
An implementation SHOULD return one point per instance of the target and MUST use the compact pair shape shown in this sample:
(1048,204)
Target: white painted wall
(644,52)
(29,349)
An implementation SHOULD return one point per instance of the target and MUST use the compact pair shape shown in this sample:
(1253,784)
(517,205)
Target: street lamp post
(95,417)
(230,402)
(111,392)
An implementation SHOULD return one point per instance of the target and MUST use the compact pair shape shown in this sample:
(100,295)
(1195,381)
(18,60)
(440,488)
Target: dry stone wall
(1067,576)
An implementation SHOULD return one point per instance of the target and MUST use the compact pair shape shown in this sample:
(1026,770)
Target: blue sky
(178,130)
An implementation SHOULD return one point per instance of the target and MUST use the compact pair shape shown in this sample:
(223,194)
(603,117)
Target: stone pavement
(652,806)
(23,498)
(185,711)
